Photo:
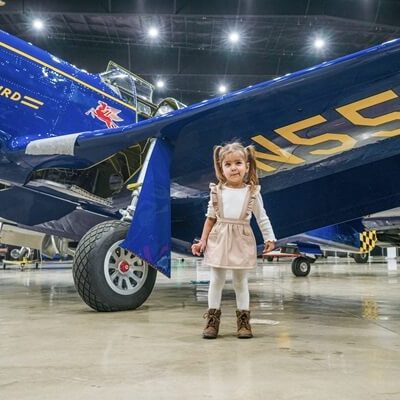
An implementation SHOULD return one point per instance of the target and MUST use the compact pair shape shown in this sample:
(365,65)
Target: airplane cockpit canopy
(133,89)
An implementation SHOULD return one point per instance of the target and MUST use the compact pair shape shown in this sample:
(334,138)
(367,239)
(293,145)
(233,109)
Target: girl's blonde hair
(249,155)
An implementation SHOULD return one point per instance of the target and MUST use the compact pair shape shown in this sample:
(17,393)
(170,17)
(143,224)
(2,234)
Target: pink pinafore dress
(231,242)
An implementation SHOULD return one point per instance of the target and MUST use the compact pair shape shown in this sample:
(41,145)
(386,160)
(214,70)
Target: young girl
(227,239)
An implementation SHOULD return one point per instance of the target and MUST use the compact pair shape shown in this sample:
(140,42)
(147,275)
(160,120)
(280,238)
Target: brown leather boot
(213,319)
(243,324)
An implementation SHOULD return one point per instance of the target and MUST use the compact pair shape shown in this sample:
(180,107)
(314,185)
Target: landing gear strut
(107,276)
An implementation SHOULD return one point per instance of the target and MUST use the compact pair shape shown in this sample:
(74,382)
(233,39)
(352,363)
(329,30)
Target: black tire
(301,266)
(97,287)
(270,258)
(361,258)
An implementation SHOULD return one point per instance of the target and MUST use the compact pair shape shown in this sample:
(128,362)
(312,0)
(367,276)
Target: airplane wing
(321,113)
(327,140)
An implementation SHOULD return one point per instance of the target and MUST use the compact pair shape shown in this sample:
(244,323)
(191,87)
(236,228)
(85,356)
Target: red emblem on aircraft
(105,113)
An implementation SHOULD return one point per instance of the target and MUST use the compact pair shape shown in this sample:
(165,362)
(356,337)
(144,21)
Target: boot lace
(212,320)
(244,322)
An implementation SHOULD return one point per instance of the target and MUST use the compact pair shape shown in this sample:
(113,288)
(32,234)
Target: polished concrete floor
(332,335)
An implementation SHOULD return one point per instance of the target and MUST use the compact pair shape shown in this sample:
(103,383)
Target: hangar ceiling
(192,53)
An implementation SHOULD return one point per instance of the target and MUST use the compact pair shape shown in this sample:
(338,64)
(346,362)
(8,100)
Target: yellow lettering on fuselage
(6,92)
(13,95)
(16,96)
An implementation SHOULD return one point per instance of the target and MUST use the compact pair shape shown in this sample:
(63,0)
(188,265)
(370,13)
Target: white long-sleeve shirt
(233,200)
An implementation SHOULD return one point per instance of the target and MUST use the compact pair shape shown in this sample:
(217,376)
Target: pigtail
(218,164)
(252,178)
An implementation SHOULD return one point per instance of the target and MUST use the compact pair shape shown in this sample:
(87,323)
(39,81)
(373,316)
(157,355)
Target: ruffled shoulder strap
(254,191)
(215,195)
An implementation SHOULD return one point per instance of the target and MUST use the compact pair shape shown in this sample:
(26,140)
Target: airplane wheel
(301,266)
(270,259)
(108,277)
(360,258)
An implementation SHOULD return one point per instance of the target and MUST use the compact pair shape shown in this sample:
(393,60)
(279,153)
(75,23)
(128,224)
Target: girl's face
(234,169)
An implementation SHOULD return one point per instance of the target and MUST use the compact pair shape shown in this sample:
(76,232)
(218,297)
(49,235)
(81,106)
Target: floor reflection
(331,335)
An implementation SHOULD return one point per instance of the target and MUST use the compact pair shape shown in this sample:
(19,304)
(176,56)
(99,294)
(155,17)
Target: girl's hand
(268,246)
(198,248)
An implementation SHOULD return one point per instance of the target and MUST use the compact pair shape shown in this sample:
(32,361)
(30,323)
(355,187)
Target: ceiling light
(153,32)
(38,24)
(319,43)
(234,37)
(222,88)
(160,83)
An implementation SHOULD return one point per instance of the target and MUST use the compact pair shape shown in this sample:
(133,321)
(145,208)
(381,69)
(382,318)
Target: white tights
(240,285)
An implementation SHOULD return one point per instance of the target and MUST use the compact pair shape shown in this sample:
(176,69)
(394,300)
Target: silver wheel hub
(303,266)
(125,273)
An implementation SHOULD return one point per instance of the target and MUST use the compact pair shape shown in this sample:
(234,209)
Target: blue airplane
(90,166)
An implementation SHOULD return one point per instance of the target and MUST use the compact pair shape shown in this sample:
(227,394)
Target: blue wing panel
(345,236)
